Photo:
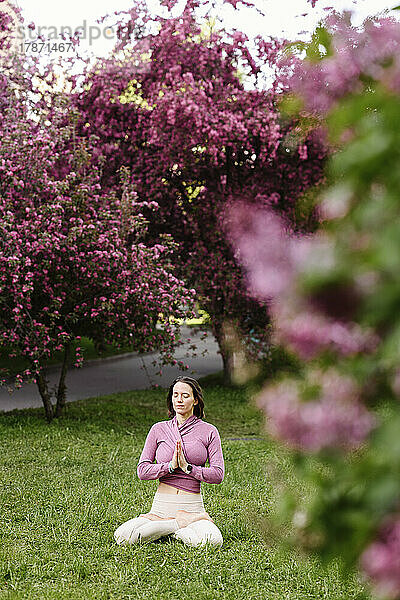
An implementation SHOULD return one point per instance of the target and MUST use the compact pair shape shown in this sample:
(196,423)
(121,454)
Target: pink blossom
(309,333)
(336,419)
(303,154)
(263,249)
(381,560)
(396,383)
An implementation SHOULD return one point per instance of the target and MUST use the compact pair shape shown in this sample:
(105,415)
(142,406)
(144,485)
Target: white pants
(141,529)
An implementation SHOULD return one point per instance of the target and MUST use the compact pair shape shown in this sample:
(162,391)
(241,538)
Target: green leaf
(320,45)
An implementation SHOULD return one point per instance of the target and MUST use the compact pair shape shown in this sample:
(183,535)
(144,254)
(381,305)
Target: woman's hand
(175,457)
(181,459)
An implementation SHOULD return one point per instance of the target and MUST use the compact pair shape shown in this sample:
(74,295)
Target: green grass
(65,487)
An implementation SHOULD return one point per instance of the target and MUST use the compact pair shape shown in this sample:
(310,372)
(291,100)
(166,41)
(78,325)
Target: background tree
(171,106)
(72,257)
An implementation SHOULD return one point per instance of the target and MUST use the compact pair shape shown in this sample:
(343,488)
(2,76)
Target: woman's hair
(198,409)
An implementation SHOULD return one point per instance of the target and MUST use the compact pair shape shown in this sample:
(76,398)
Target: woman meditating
(181,447)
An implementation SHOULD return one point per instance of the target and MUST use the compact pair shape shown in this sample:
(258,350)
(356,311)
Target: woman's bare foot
(185,518)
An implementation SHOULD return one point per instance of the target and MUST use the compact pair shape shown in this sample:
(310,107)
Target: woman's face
(182,399)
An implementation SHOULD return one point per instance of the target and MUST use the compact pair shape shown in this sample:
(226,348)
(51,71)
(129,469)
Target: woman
(181,447)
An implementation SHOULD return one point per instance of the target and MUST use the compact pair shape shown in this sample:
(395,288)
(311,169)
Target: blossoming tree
(172,107)
(72,257)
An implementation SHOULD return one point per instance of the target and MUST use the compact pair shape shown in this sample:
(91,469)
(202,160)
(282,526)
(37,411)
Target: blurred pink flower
(395,383)
(308,333)
(337,419)
(336,202)
(358,53)
(271,256)
(263,249)
(381,560)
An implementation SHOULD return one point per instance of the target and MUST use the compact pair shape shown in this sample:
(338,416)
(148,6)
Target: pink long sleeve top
(200,442)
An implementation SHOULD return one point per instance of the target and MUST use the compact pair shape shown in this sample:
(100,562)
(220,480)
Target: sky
(292,19)
(283,17)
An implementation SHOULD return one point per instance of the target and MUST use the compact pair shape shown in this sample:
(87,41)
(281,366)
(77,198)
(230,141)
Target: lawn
(65,487)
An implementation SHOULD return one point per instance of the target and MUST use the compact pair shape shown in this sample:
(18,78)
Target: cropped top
(200,442)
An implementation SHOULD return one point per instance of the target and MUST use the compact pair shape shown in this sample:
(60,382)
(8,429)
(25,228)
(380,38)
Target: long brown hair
(198,409)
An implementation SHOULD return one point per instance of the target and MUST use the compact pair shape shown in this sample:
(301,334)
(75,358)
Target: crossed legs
(193,529)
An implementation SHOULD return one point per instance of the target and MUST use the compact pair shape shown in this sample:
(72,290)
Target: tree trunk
(61,392)
(46,398)
(226,351)
(228,365)
(100,347)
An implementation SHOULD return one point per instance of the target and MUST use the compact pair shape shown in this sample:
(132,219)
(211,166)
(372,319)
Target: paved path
(118,374)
